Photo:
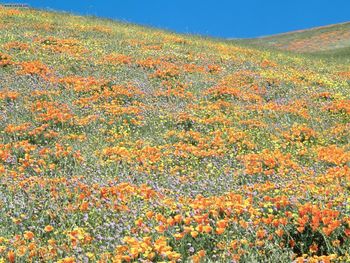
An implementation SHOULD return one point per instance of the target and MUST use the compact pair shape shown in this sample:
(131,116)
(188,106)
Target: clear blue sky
(220,18)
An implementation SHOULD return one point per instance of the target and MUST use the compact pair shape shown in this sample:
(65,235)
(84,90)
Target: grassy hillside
(333,38)
(121,143)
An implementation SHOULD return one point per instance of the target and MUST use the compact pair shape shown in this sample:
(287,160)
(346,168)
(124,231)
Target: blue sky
(220,18)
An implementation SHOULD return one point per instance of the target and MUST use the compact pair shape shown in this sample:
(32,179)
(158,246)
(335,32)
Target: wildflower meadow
(121,143)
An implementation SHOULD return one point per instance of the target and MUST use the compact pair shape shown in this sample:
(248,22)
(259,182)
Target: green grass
(311,38)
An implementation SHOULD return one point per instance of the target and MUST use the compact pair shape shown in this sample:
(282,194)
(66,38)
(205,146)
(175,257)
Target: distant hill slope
(314,40)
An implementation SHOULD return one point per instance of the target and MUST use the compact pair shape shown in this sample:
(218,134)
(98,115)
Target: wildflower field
(120,143)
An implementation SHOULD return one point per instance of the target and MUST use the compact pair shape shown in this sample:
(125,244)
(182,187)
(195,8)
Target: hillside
(121,143)
(333,38)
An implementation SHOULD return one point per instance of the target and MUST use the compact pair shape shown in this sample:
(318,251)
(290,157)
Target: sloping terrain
(327,38)
(120,143)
